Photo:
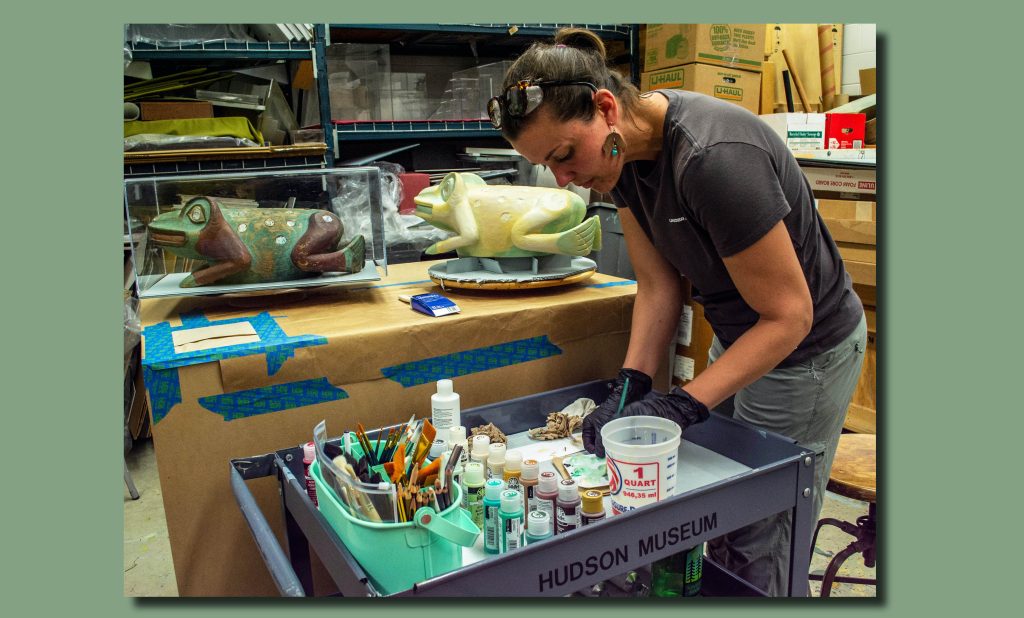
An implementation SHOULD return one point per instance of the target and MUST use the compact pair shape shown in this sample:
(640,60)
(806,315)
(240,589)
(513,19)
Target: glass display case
(254,232)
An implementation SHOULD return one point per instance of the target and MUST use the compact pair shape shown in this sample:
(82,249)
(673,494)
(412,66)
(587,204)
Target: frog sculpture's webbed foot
(579,240)
(582,239)
(315,252)
(349,259)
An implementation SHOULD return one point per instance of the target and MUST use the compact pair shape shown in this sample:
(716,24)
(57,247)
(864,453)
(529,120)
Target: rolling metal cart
(730,475)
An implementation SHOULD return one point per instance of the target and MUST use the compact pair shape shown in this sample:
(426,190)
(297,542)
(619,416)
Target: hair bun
(581,39)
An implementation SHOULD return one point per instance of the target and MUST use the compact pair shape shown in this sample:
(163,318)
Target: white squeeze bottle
(444,406)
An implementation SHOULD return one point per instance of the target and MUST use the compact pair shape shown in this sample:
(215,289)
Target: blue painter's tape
(471,361)
(194,319)
(162,362)
(273,342)
(256,401)
(164,391)
(610,284)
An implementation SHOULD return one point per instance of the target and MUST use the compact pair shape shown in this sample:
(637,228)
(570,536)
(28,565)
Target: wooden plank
(857,253)
(851,230)
(196,154)
(767,105)
(872,317)
(860,272)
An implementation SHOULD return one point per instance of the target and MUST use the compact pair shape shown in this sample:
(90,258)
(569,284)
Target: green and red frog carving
(242,245)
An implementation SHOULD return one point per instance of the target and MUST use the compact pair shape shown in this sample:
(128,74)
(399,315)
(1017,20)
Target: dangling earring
(613,144)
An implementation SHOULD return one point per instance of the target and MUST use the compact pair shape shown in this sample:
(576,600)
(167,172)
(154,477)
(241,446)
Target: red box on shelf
(844,130)
(412,184)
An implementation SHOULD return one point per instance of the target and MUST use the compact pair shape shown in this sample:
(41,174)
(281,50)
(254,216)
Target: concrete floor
(149,571)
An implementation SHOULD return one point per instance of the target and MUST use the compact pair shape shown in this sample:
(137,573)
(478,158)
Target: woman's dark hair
(575,55)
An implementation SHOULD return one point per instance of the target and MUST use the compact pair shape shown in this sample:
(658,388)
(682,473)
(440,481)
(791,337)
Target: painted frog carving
(507,221)
(255,245)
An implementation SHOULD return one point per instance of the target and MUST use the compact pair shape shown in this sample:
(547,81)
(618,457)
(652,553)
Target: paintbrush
(449,467)
(399,462)
(365,443)
(426,439)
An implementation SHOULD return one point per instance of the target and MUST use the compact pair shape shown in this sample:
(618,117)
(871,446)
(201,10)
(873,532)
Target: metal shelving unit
(482,39)
(231,52)
(224,50)
(778,477)
(135,170)
(412,129)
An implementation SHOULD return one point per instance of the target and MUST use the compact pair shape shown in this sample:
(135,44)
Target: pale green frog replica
(507,221)
(244,245)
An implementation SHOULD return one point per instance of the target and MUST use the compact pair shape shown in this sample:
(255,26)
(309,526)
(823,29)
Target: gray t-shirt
(723,180)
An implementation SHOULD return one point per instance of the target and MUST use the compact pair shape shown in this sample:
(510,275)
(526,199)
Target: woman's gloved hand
(678,406)
(635,384)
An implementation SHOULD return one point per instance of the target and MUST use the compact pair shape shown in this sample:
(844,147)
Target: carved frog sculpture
(507,221)
(255,245)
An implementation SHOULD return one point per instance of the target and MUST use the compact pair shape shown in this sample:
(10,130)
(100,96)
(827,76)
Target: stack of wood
(852,225)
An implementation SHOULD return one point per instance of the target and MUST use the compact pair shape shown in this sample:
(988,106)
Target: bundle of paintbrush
(386,478)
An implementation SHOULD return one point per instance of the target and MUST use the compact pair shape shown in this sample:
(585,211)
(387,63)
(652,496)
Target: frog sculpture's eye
(196,214)
(447,187)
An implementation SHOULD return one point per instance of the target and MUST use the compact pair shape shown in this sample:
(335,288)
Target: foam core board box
(800,131)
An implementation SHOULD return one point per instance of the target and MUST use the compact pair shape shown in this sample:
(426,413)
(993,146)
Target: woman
(707,191)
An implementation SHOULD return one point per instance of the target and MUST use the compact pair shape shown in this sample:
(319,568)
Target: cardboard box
(800,131)
(852,226)
(867,81)
(729,45)
(693,340)
(345,357)
(844,130)
(175,110)
(740,87)
(840,182)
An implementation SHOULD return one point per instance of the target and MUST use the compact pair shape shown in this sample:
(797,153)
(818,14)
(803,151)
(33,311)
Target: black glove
(678,406)
(639,384)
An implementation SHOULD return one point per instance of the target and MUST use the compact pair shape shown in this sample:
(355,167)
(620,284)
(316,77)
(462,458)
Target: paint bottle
(678,575)
(513,471)
(538,527)
(444,406)
(479,453)
(492,523)
(567,509)
(528,482)
(547,495)
(437,447)
(496,460)
(474,485)
(308,457)
(592,508)
(512,526)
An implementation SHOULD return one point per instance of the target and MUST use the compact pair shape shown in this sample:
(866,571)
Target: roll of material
(131,111)
(827,40)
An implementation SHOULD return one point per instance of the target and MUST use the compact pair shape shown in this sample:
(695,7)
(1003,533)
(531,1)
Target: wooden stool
(853,476)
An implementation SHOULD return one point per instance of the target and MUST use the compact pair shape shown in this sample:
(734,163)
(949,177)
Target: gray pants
(806,402)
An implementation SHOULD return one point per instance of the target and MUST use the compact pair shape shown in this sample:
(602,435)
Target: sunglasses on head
(523,97)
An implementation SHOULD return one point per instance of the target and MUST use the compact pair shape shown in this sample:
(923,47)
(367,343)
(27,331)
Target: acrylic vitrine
(254,232)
